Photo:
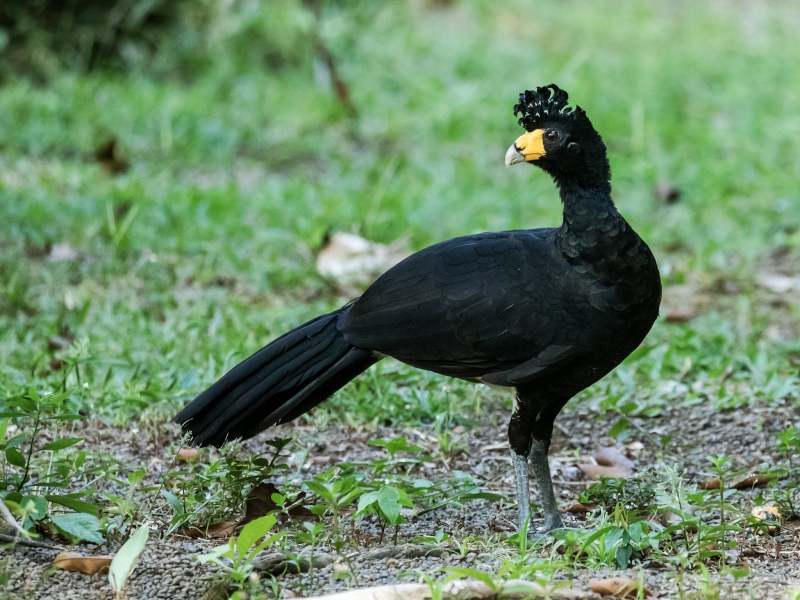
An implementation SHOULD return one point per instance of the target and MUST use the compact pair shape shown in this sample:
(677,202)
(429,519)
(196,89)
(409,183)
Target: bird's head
(559,140)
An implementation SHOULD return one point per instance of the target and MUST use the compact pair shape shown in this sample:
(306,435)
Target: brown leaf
(350,258)
(222,529)
(260,503)
(618,586)
(603,471)
(750,482)
(72,561)
(679,316)
(187,454)
(712,483)
(577,508)
(609,457)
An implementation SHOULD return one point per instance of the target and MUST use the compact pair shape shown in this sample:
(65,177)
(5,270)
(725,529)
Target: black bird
(546,312)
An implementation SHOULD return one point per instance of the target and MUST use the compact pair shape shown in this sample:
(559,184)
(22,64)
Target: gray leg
(523,488)
(538,458)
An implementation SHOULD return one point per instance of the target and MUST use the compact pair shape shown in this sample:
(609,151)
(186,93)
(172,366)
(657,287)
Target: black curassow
(546,312)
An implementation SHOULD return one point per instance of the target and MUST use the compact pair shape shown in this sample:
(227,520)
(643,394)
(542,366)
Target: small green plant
(616,540)
(635,494)
(236,557)
(714,540)
(123,509)
(520,538)
(337,488)
(438,538)
(210,493)
(125,560)
(451,444)
(387,504)
(33,471)
(789,445)
(311,534)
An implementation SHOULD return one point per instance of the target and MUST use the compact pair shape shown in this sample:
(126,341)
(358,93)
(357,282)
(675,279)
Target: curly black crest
(539,106)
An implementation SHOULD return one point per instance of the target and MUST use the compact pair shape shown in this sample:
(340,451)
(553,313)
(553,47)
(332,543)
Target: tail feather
(280,382)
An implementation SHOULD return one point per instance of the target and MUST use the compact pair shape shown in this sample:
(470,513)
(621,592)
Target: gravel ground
(168,568)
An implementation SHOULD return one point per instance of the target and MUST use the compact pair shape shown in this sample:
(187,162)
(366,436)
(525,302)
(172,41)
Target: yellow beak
(528,147)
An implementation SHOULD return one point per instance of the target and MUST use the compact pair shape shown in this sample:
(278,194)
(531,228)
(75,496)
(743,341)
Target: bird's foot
(553,528)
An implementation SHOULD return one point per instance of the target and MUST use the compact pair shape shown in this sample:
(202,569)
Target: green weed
(236,557)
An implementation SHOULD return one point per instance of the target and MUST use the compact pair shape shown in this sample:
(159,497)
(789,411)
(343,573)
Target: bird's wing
(470,307)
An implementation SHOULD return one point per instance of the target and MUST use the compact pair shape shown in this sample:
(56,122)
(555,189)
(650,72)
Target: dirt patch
(168,568)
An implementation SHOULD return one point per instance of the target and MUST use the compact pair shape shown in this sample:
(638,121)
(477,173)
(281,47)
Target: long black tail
(278,383)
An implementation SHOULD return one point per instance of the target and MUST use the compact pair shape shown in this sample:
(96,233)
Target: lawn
(129,286)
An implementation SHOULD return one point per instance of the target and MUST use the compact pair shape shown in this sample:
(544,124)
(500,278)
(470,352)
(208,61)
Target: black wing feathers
(467,307)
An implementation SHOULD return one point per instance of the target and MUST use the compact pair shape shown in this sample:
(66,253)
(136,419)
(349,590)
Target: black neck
(592,227)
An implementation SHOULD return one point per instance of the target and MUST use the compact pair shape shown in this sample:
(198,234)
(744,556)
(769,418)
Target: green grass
(242,162)
(239,171)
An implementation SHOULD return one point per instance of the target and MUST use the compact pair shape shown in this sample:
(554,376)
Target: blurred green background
(238,134)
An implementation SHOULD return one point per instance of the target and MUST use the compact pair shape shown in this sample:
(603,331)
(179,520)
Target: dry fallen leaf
(187,454)
(767,515)
(222,529)
(679,316)
(577,508)
(61,253)
(352,259)
(681,303)
(750,482)
(610,463)
(618,586)
(712,483)
(603,471)
(72,561)
(609,457)
(779,284)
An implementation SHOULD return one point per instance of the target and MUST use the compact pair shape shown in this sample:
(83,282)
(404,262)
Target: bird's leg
(519,438)
(529,434)
(521,477)
(544,483)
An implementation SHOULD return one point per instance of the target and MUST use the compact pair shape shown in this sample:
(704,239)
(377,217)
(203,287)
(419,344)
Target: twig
(10,539)
(276,563)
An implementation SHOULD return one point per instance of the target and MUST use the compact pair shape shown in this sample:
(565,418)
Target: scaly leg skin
(529,433)
(521,477)
(544,483)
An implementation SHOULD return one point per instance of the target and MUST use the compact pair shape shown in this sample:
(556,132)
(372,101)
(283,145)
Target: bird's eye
(552,135)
